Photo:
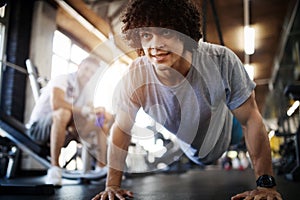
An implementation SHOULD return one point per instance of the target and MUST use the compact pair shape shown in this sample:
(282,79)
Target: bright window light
(250,70)
(107,83)
(78,54)
(66,55)
(56,68)
(72,67)
(249,38)
(61,45)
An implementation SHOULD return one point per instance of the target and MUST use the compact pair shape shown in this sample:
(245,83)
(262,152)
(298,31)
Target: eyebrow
(145,29)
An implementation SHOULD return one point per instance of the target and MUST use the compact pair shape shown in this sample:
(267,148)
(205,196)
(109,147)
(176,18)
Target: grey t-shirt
(197,110)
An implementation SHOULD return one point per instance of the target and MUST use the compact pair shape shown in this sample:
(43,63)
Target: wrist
(114,178)
(266,181)
(113,186)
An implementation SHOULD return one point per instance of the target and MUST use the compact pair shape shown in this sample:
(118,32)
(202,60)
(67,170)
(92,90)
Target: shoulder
(212,50)
(222,56)
(61,77)
(60,81)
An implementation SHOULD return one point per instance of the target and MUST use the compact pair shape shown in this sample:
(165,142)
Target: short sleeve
(60,82)
(238,85)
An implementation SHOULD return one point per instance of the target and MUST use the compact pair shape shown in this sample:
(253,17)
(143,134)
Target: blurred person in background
(64,111)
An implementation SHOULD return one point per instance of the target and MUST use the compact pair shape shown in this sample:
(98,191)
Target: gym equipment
(294,174)
(165,155)
(8,153)
(15,131)
(34,79)
(290,165)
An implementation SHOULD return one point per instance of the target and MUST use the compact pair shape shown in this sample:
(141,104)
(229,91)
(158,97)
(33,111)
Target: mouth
(160,56)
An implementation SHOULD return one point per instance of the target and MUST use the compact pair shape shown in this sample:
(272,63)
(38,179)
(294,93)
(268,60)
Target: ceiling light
(249,38)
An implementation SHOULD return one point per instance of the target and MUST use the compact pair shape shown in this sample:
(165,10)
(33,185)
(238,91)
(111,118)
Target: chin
(162,67)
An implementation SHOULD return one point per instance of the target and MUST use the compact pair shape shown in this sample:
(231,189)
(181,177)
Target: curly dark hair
(179,15)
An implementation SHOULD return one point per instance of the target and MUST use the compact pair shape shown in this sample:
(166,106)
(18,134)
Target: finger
(278,196)
(271,198)
(103,196)
(120,196)
(129,193)
(98,196)
(239,196)
(259,197)
(111,196)
(248,198)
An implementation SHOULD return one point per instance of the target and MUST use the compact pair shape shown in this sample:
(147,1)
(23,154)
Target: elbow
(120,138)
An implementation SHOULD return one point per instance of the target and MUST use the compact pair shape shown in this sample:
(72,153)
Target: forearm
(256,137)
(116,163)
(258,147)
(118,149)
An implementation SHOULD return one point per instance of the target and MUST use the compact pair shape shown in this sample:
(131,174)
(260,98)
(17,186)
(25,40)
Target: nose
(157,42)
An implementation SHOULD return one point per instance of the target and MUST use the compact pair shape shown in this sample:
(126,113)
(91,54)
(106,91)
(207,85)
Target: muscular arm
(116,161)
(258,147)
(117,155)
(256,136)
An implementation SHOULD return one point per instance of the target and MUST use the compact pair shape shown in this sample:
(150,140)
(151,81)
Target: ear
(140,52)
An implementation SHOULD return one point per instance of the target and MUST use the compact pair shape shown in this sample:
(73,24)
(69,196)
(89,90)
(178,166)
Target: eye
(166,33)
(145,35)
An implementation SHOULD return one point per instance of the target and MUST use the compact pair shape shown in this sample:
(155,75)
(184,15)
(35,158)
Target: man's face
(162,46)
(86,71)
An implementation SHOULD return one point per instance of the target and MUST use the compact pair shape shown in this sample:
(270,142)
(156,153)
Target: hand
(85,111)
(113,191)
(99,110)
(259,193)
(100,116)
(103,119)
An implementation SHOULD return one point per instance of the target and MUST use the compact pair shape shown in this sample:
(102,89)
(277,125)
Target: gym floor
(211,183)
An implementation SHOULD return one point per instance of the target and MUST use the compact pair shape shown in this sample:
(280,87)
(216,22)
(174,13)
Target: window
(107,83)
(66,55)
